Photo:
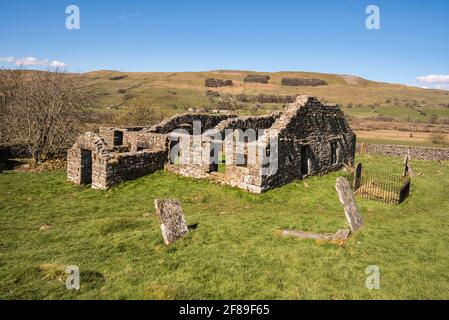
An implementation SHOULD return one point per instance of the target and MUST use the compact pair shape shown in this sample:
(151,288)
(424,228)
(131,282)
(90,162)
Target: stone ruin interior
(312,139)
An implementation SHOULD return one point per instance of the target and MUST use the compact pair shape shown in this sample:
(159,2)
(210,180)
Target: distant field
(177,91)
(370,105)
(402,113)
(233,250)
(397,137)
(379,112)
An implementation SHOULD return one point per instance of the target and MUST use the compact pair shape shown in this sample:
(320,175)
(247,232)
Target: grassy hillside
(233,249)
(178,91)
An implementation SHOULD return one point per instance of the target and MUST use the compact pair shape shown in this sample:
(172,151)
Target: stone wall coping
(405,146)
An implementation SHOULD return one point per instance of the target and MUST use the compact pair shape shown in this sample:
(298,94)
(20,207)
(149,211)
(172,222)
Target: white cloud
(438,79)
(7,59)
(57,64)
(32,61)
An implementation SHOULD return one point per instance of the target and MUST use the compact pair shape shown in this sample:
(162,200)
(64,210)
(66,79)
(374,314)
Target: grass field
(233,249)
(399,137)
(178,91)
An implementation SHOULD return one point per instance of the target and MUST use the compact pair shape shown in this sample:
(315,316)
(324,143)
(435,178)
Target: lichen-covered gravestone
(347,199)
(171,217)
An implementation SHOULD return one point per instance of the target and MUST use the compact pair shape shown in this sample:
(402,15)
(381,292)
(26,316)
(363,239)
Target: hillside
(182,89)
(379,112)
(371,106)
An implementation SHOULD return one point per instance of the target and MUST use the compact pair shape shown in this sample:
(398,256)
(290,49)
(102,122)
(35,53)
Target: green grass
(235,250)
(399,113)
(399,142)
(178,91)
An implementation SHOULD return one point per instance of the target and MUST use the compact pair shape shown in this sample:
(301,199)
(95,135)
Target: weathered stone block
(171,217)
(307,235)
(341,235)
(254,189)
(347,199)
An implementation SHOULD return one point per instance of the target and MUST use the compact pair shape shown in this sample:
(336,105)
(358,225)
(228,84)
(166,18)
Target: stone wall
(208,121)
(95,144)
(189,170)
(148,141)
(256,78)
(14,151)
(238,177)
(417,153)
(215,83)
(314,139)
(92,161)
(129,135)
(132,165)
(321,129)
(265,98)
(248,122)
(303,82)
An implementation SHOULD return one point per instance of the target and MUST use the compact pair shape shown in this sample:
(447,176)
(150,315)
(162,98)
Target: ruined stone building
(307,138)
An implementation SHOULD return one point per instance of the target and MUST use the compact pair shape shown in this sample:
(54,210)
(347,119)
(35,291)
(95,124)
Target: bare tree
(143,112)
(41,110)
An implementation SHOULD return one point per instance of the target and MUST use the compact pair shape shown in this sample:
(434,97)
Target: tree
(143,112)
(41,110)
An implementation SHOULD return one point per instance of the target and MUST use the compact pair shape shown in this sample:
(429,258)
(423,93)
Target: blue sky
(195,35)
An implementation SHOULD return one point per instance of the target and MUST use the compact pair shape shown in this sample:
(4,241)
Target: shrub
(433,119)
(115,78)
(44,111)
(438,139)
(211,93)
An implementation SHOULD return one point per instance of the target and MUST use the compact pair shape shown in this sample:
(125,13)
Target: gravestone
(171,217)
(341,235)
(406,160)
(347,199)
(408,171)
(357,177)
(307,235)
(363,148)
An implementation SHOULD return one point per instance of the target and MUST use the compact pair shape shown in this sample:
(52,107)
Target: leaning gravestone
(347,199)
(408,171)
(173,224)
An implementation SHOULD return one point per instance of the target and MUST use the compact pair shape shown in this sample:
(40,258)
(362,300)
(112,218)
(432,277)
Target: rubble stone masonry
(415,152)
(313,139)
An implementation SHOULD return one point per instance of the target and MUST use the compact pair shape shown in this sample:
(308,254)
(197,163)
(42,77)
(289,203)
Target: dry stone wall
(208,121)
(303,82)
(133,165)
(215,83)
(417,153)
(248,122)
(256,78)
(265,98)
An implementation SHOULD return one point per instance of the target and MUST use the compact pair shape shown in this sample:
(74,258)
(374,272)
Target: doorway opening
(305,160)
(118,138)
(86,166)
(334,152)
